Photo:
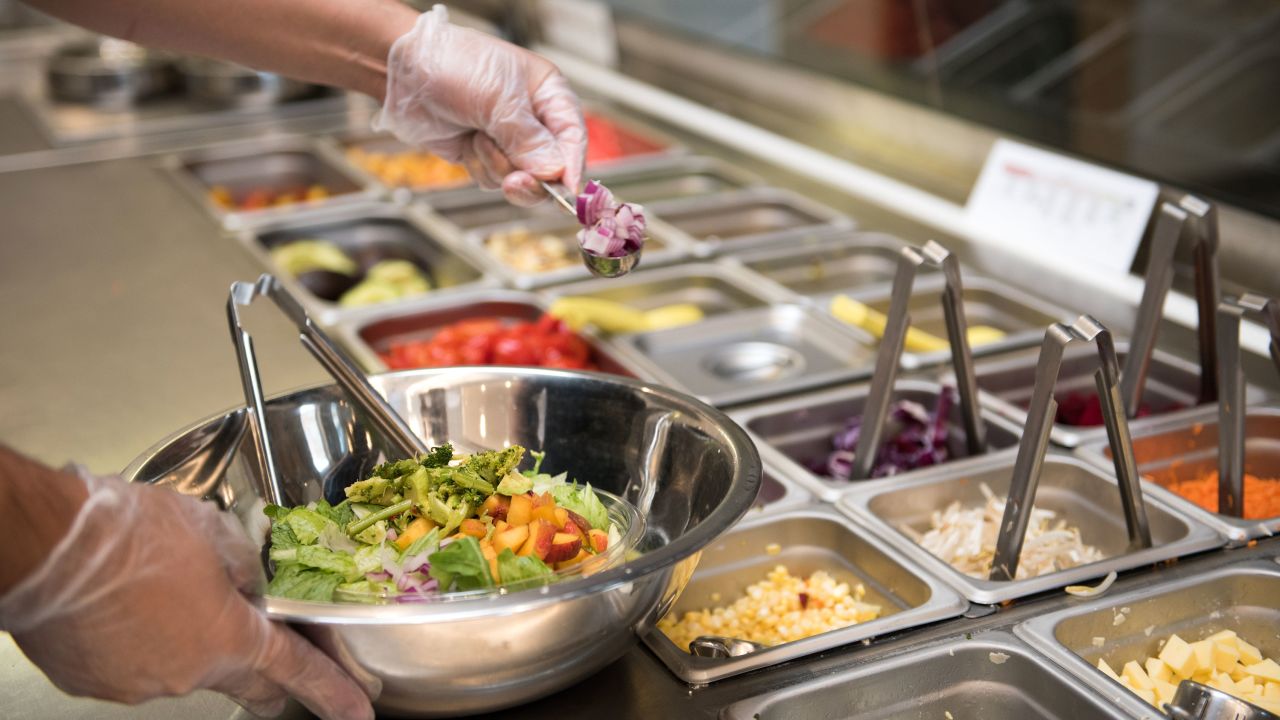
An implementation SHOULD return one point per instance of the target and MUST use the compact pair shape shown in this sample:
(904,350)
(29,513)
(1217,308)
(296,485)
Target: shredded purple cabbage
(914,438)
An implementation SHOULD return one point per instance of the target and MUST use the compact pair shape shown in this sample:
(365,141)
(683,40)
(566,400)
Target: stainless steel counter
(114,281)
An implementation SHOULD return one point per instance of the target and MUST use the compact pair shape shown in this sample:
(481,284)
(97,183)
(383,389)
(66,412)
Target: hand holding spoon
(607,266)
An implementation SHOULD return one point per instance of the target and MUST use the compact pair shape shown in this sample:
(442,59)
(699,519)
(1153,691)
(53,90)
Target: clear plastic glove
(505,113)
(141,599)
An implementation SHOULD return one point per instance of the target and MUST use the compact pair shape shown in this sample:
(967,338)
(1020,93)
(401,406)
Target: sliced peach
(415,530)
(599,540)
(541,533)
(491,555)
(495,506)
(520,511)
(563,547)
(473,527)
(500,525)
(543,500)
(571,528)
(511,538)
(580,521)
(562,518)
(582,555)
(546,512)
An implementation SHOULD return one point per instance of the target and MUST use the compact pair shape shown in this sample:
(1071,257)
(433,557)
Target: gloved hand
(141,599)
(505,113)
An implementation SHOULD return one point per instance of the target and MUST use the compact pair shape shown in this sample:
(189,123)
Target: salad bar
(688,530)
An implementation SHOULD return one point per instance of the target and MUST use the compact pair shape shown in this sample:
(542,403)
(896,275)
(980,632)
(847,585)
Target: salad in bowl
(442,524)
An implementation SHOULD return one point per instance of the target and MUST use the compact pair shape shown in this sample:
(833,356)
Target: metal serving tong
(1202,217)
(892,341)
(343,369)
(1231,403)
(600,266)
(1035,443)
(1194,701)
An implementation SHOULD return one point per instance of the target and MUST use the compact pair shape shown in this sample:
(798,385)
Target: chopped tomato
(493,341)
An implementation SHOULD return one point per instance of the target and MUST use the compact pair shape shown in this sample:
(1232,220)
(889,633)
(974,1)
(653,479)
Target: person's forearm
(39,506)
(335,42)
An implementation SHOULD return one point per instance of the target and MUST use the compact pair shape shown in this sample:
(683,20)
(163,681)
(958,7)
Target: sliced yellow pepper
(852,312)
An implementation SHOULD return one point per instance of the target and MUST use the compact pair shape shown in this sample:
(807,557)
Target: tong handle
(1035,443)
(1231,401)
(337,363)
(1202,218)
(894,339)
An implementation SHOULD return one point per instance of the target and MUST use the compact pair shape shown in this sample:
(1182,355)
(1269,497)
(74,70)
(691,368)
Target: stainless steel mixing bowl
(688,469)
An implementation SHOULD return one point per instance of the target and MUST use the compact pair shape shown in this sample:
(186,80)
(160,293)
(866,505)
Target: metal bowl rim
(736,503)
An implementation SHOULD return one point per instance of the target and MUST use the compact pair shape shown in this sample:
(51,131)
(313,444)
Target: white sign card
(1063,207)
(581,27)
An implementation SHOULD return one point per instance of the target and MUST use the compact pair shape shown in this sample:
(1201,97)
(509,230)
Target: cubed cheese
(1246,686)
(1248,653)
(1227,636)
(1165,692)
(1223,682)
(1137,676)
(1106,669)
(1203,650)
(1158,669)
(1272,691)
(1147,695)
(1179,656)
(1266,670)
(1225,655)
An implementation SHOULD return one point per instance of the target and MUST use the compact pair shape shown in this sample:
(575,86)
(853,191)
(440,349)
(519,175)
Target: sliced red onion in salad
(610,228)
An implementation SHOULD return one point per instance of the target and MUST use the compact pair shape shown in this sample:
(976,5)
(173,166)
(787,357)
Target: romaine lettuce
(582,500)
(303,583)
(460,566)
(522,571)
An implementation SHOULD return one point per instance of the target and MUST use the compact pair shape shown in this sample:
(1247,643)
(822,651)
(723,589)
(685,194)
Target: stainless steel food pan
(1185,447)
(108,74)
(813,539)
(778,494)
(338,147)
(275,165)
(747,218)
(716,289)
(1173,384)
(1076,490)
(753,354)
(688,470)
(857,264)
(796,432)
(992,675)
(643,182)
(222,84)
(367,234)
(372,330)
(663,246)
(1244,598)
(1020,316)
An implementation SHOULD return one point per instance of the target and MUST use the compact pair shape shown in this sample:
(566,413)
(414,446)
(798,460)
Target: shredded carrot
(1261,495)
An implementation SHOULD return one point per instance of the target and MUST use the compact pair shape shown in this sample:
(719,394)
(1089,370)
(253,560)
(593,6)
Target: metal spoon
(599,265)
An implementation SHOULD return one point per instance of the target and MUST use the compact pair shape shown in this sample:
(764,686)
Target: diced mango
(1137,676)
(1178,655)
(1106,670)
(1158,670)
(1266,670)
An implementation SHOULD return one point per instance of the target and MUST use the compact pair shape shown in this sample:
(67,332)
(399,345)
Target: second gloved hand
(506,113)
(142,598)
